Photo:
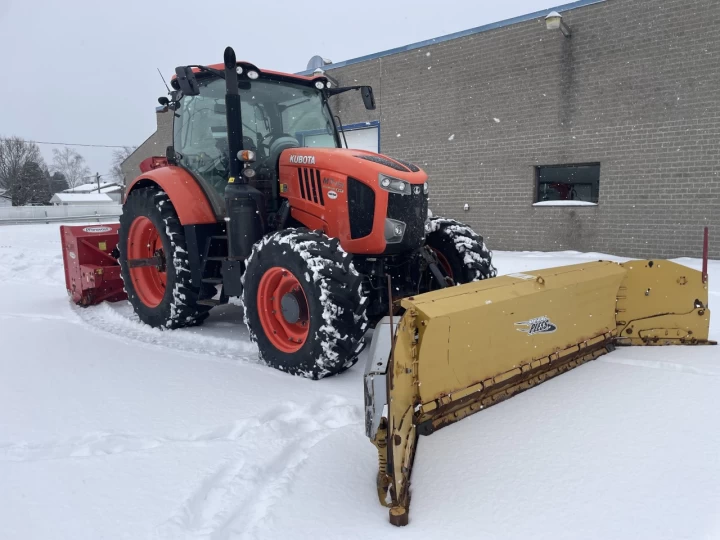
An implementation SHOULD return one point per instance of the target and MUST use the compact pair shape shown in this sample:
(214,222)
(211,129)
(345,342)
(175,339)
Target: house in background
(81,199)
(113,190)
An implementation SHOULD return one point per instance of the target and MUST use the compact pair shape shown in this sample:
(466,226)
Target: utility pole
(97,177)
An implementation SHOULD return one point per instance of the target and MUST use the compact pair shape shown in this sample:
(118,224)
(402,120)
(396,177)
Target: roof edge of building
(456,35)
(142,143)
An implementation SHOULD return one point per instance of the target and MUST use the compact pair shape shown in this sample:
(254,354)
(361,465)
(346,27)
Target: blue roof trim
(456,35)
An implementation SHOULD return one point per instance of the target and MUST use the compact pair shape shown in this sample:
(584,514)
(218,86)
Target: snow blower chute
(459,350)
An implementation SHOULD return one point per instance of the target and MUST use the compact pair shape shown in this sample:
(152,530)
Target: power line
(73,144)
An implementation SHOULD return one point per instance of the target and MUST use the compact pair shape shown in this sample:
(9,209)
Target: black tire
(462,248)
(178,307)
(333,289)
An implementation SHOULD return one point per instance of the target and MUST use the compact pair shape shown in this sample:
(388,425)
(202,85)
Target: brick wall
(154,145)
(636,88)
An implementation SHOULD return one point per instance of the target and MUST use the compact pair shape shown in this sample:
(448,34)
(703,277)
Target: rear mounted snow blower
(459,350)
(92,273)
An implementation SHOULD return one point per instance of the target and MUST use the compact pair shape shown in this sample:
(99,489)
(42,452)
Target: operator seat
(278,145)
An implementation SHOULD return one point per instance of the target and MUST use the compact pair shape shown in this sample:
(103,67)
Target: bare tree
(117,160)
(20,170)
(71,165)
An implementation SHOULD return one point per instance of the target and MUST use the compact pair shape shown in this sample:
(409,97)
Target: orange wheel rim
(144,242)
(280,295)
(444,263)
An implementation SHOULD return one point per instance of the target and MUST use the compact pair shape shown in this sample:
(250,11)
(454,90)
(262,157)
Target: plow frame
(407,391)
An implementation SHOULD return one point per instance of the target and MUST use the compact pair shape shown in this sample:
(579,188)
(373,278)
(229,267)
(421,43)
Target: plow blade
(459,350)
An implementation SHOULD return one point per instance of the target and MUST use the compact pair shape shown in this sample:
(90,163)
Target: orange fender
(188,198)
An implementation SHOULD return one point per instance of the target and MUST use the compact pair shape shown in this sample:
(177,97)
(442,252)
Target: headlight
(393,185)
(394,231)
(426,188)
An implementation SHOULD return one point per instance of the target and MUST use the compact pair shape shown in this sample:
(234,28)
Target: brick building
(629,105)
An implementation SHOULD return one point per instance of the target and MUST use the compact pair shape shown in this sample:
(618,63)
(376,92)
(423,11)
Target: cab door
(201,143)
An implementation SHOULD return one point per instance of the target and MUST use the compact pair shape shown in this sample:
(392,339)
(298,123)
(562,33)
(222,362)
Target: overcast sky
(84,71)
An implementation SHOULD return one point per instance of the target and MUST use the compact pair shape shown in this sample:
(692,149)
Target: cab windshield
(276,115)
(272,108)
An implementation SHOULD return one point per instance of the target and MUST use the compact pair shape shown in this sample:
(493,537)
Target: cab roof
(270,72)
(274,74)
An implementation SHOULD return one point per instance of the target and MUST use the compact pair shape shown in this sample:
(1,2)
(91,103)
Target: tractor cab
(276,115)
(277,112)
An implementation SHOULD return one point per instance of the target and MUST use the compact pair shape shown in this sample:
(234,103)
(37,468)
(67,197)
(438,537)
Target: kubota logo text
(538,325)
(97,229)
(305,160)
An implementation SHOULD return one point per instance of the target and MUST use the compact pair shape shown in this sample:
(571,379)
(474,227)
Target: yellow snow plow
(462,349)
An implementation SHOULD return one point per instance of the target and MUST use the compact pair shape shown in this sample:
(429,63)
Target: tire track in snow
(39,317)
(107,444)
(239,495)
(122,322)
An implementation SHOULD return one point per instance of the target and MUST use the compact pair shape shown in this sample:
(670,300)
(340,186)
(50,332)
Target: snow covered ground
(110,429)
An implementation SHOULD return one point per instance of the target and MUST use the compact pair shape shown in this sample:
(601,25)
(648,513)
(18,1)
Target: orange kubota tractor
(257,199)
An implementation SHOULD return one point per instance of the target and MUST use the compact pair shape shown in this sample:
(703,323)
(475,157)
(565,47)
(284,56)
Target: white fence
(49,214)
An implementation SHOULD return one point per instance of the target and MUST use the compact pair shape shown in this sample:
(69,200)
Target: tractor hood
(355,163)
(373,204)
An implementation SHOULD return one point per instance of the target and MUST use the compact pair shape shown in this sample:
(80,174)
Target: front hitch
(432,262)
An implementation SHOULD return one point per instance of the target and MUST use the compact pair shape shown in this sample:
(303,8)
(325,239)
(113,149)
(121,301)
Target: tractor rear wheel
(303,303)
(154,262)
(461,252)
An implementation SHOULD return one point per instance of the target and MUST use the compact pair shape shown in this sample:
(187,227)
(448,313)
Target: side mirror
(163,101)
(187,81)
(368,97)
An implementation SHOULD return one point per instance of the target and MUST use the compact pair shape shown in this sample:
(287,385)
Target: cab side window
(200,134)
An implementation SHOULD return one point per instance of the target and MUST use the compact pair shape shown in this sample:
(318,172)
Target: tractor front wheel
(461,252)
(304,305)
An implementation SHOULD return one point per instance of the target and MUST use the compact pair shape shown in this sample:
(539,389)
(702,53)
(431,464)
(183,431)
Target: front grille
(411,210)
(310,186)
(384,161)
(361,207)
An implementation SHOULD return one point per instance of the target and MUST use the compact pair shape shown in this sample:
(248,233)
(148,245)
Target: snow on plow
(459,350)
